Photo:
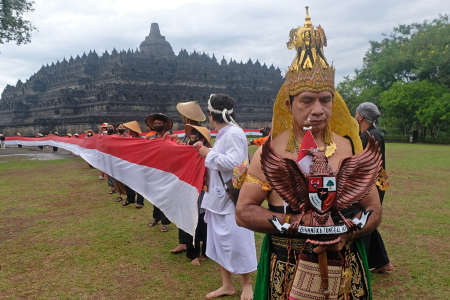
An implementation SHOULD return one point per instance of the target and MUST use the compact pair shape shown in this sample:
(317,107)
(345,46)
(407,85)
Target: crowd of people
(222,233)
(217,235)
(289,264)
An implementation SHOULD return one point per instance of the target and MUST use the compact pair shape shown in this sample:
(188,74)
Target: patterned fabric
(119,187)
(307,282)
(277,290)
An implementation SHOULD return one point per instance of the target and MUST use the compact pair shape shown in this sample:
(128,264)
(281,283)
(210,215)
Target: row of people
(217,236)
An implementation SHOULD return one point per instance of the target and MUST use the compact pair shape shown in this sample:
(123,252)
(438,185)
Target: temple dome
(156,44)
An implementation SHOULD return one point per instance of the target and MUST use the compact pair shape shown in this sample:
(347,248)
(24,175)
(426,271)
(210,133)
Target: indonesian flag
(303,160)
(168,175)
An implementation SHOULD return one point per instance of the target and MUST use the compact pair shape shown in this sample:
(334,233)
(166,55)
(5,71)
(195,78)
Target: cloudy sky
(237,29)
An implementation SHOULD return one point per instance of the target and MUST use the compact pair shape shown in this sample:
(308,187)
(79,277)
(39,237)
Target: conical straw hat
(167,125)
(202,130)
(191,110)
(19,134)
(133,125)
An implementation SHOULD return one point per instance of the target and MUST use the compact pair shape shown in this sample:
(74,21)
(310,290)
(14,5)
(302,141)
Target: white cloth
(229,245)
(230,149)
(3,145)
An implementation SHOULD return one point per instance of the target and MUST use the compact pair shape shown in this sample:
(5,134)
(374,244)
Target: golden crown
(309,71)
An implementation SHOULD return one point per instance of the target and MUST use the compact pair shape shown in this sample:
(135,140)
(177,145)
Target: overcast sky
(237,29)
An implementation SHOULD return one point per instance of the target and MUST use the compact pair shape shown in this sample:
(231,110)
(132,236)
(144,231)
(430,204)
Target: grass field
(63,237)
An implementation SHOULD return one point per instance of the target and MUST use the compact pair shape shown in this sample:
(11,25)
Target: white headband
(224,112)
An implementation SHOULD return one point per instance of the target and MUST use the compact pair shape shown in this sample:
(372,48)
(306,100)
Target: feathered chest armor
(322,191)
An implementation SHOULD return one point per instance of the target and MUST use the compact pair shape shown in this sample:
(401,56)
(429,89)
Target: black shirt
(2,138)
(378,137)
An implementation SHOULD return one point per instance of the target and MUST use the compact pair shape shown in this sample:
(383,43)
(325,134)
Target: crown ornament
(310,70)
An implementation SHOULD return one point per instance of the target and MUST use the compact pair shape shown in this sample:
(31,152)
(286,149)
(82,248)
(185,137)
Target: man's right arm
(249,213)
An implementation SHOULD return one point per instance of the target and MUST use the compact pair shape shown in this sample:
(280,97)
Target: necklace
(330,148)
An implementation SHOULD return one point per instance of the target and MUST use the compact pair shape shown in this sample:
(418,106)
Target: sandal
(126,202)
(164,228)
(112,191)
(119,199)
(153,223)
(139,206)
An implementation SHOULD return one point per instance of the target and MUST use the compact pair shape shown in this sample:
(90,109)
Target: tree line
(407,75)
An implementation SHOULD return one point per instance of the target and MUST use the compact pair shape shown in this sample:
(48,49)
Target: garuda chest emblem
(321,190)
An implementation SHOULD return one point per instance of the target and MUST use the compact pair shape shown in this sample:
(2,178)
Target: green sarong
(263,274)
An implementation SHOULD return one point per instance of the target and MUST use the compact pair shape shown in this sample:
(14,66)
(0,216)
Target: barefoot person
(287,260)
(192,114)
(367,115)
(231,246)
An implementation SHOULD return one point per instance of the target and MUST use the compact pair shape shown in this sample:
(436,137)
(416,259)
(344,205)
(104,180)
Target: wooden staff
(323,266)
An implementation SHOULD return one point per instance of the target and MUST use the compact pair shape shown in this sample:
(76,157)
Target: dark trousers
(158,215)
(376,252)
(182,236)
(131,196)
(55,149)
(41,147)
(111,181)
(20,146)
(193,250)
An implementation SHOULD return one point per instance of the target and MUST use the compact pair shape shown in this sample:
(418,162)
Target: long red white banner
(168,175)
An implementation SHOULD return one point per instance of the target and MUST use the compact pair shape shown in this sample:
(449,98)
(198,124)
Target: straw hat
(89,130)
(191,110)
(18,134)
(69,134)
(168,124)
(76,134)
(202,130)
(40,135)
(101,126)
(1,134)
(56,133)
(133,125)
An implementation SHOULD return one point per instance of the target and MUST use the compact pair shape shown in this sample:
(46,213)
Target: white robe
(229,245)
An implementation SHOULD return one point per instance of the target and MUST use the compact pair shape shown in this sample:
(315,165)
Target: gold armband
(265,186)
(288,218)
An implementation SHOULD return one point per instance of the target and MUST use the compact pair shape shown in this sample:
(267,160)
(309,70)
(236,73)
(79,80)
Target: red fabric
(307,143)
(181,160)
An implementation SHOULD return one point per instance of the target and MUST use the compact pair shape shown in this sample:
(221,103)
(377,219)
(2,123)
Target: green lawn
(63,237)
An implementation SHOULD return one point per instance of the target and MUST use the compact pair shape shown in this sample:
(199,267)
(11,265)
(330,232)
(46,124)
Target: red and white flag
(303,160)
(168,175)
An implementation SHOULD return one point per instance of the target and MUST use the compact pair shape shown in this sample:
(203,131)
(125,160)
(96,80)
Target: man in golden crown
(308,103)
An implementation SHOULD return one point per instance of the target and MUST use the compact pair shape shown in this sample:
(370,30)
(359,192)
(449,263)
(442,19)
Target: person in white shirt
(231,246)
